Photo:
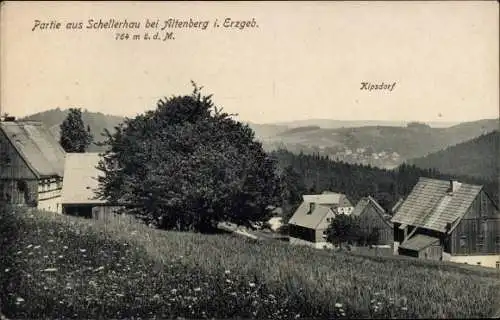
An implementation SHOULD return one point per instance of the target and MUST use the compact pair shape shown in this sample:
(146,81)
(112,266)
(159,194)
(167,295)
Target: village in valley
(443,220)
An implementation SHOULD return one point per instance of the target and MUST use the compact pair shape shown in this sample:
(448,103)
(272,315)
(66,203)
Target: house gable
(344,202)
(16,167)
(478,232)
(326,220)
(373,217)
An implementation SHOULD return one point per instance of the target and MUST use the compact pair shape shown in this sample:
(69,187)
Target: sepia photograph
(249,160)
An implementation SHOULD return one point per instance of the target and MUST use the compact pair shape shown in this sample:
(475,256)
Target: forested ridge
(318,173)
(477,157)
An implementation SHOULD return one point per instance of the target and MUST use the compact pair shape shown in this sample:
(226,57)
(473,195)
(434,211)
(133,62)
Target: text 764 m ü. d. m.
(163,36)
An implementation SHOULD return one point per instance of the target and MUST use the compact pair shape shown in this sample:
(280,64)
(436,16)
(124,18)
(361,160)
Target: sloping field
(62,267)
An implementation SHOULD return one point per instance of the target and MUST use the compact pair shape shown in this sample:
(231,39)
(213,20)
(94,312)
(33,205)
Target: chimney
(312,205)
(454,186)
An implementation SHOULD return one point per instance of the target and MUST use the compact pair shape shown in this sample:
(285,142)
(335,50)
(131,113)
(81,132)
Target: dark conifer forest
(477,158)
(318,173)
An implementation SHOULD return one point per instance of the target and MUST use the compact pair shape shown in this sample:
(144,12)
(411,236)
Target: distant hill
(478,157)
(384,146)
(267,130)
(96,120)
(378,145)
(335,124)
(99,121)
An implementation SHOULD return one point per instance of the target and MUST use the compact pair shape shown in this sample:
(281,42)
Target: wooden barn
(79,196)
(32,165)
(311,219)
(448,220)
(374,220)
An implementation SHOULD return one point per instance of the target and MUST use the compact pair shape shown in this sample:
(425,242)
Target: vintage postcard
(237,160)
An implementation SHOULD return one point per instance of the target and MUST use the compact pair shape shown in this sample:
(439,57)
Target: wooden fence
(108,214)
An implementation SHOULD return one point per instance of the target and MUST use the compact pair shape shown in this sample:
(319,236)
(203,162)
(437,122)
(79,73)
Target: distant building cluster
(383,159)
(365,156)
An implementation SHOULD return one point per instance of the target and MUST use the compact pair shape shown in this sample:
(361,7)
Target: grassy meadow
(57,266)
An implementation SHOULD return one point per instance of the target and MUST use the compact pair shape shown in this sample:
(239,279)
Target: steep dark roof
(431,206)
(36,146)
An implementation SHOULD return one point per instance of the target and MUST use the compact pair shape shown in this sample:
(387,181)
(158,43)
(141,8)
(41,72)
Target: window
(22,186)
(463,241)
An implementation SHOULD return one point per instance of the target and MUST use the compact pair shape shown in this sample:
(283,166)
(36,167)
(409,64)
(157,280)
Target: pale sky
(305,60)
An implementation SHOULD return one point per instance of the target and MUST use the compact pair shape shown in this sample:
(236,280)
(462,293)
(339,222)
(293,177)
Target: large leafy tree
(187,165)
(75,137)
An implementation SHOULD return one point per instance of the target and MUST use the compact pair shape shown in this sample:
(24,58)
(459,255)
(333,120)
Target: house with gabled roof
(79,193)
(448,220)
(373,220)
(311,219)
(32,165)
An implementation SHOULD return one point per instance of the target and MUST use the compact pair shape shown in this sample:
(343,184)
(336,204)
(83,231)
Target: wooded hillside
(478,157)
(356,181)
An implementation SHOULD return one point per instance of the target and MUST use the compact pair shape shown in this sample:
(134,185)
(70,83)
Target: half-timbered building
(32,165)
